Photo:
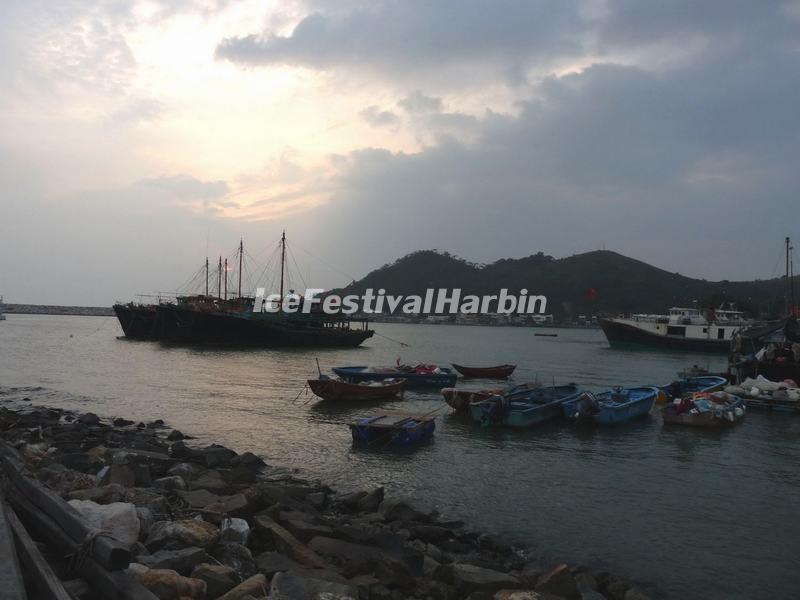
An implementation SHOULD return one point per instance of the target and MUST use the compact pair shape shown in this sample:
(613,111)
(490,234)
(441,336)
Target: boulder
(185,470)
(371,500)
(118,518)
(89,419)
(182,561)
(249,460)
(403,511)
(143,498)
(78,461)
(170,483)
(284,541)
(431,533)
(219,579)
(237,557)
(559,582)
(304,531)
(470,578)
(146,520)
(172,534)
(634,594)
(517,595)
(357,558)
(121,422)
(235,530)
(255,586)
(168,585)
(211,480)
(199,498)
(317,500)
(290,586)
(105,494)
(270,563)
(175,435)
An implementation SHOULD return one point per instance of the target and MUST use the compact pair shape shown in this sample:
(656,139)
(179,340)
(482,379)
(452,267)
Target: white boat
(2,316)
(680,329)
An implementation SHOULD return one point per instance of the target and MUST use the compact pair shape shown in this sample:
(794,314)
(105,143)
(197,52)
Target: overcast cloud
(136,138)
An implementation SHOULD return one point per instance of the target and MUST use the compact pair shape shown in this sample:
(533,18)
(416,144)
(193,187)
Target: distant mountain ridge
(589,283)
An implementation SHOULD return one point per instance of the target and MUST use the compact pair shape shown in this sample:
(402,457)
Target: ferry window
(676,331)
(720,334)
(705,329)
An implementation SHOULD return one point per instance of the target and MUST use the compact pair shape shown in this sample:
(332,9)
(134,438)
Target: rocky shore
(208,523)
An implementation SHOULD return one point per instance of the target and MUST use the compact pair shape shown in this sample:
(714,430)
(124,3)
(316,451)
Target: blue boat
(616,405)
(523,407)
(690,385)
(392,430)
(414,376)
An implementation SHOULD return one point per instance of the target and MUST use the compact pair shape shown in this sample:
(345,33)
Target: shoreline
(285,532)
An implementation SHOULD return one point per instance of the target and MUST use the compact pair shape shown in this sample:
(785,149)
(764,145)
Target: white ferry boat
(681,329)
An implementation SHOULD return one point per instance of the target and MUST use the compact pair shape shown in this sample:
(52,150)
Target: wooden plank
(113,585)
(109,552)
(47,584)
(11,585)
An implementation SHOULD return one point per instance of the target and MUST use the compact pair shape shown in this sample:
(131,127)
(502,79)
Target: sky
(139,137)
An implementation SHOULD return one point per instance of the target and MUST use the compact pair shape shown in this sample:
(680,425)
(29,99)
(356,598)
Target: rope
(403,344)
(85,549)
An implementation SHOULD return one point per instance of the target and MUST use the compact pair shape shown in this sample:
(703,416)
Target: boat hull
(460,399)
(184,325)
(498,372)
(332,390)
(138,322)
(612,413)
(625,335)
(524,407)
(706,420)
(367,433)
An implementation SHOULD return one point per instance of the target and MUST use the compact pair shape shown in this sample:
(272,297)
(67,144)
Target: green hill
(595,282)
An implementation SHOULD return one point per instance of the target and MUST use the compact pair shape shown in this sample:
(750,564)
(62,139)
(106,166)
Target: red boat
(498,372)
(336,389)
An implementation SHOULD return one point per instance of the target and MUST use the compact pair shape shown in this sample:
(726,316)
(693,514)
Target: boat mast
(226,279)
(241,251)
(206,276)
(788,280)
(283,262)
(219,279)
(790,250)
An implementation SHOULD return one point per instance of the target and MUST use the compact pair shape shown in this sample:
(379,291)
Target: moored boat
(689,385)
(331,389)
(616,405)
(415,376)
(523,408)
(392,429)
(460,399)
(763,394)
(705,409)
(498,372)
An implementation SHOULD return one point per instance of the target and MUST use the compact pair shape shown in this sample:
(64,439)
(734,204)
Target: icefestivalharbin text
(439,301)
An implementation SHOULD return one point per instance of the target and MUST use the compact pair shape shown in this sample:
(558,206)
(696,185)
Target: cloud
(417,102)
(379,118)
(417,35)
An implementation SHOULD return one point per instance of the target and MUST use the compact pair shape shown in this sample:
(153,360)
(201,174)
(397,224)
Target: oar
(318,369)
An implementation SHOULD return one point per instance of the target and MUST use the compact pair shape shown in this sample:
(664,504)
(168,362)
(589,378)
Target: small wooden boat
(416,376)
(616,405)
(689,385)
(498,372)
(703,409)
(523,408)
(393,429)
(328,388)
(460,399)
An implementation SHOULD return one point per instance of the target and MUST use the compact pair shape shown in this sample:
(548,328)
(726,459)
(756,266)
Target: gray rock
(634,594)
(170,483)
(211,480)
(288,586)
(237,557)
(105,494)
(370,501)
(430,533)
(470,578)
(185,470)
(559,582)
(317,500)
(146,521)
(304,531)
(89,419)
(219,579)
(171,534)
(403,511)
(270,563)
(182,561)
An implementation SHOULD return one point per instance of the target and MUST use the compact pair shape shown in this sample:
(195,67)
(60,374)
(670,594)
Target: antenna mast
(206,276)
(283,262)
(219,279)
(226,279)
(241,251)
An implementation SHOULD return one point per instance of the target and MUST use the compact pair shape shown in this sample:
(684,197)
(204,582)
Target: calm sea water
(691,514)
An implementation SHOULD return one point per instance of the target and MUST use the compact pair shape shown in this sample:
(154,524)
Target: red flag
(590,294)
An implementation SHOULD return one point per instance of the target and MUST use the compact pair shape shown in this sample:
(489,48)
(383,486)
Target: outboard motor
(494,409)
(588,406)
